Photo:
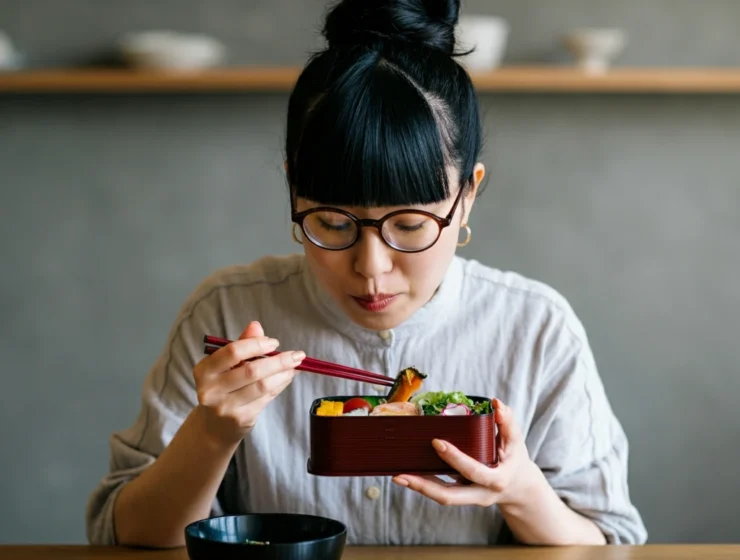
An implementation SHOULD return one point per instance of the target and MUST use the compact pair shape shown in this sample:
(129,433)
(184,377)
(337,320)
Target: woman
(383,121)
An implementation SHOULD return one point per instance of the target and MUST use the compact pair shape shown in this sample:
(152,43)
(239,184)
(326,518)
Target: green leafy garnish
(434,402)
(374,401)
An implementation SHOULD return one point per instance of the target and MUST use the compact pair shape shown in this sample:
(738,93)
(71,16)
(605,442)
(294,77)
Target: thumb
(253,329)
(507,426)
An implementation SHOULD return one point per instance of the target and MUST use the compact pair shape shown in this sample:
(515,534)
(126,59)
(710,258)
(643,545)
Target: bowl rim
(191,526)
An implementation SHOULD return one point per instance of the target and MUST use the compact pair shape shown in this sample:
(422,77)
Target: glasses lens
(410,232)
(331,230)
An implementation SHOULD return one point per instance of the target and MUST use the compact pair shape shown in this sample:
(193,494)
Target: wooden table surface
(648,552)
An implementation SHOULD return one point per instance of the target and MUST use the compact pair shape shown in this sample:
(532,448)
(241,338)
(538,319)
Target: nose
(372,256)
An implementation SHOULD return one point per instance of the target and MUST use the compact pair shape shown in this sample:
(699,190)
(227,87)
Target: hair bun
(430,23)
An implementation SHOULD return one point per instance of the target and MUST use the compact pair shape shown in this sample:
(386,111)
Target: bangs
(371,140)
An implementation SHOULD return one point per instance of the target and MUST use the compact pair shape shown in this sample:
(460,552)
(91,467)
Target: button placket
(383,484)
(387,336)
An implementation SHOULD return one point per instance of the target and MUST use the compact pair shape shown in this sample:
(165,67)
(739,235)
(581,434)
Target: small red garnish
(355,403)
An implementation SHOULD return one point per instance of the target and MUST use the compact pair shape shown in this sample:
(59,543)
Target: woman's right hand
(232,392)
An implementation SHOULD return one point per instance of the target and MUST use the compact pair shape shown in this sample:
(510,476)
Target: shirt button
(373,492)
(385,335)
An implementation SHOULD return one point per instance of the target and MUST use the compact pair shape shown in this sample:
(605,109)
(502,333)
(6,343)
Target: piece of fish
(396,409)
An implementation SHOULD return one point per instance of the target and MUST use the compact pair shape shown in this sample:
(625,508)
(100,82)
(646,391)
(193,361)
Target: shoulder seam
(524,291)
(565,311)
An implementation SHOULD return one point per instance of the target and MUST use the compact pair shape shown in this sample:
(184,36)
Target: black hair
(376,117)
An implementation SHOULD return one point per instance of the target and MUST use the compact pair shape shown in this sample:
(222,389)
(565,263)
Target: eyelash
(330,227)
(410,229)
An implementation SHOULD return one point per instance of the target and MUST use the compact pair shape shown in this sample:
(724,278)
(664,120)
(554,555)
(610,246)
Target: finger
(253,330)
(284,386)
(435,478)
(214,387)
(280,388)
(247,414)
(267,388)
(236,352)
(444,493)
(507,426)
(259,370)
(461,480)
(235,379)
(263,400)
(456,479)
(468,467)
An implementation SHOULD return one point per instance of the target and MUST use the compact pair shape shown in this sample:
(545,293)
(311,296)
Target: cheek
(329,265)
(314,254)
(425,270)
(445,248)
(450,236)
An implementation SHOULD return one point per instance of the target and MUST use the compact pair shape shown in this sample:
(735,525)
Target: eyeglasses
(408,231)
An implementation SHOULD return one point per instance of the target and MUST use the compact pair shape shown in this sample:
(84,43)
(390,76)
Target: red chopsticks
(213,343)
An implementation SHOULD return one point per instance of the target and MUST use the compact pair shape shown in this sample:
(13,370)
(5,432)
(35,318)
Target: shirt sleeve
(168,397)
(578,442)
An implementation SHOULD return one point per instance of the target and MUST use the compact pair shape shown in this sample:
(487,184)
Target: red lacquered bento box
(391,445)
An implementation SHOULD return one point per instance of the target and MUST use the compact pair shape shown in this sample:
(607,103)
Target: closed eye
(410,228)
(335,226)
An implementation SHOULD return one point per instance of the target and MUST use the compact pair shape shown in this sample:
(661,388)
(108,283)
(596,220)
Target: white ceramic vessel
(169,50)
(488,34)
(595,49)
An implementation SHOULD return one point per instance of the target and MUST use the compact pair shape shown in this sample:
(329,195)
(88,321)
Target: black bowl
(287,536)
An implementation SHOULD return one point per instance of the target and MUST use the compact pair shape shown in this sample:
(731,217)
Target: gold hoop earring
(467,237)
(295,237)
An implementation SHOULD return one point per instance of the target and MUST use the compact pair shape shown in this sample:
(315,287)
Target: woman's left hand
(507,483)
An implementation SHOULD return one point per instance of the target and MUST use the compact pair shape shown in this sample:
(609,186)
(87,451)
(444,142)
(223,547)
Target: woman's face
(377,286)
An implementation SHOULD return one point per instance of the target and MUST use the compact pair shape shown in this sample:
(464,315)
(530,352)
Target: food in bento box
(408,382)
(396,409)
(455,403)
(401,401)
(330,408)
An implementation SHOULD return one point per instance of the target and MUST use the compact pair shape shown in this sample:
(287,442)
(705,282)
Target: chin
(382,321)
(377,323)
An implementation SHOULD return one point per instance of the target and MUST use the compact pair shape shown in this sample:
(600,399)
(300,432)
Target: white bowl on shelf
(169,50)
(10,59)
(488,35)
(595,49)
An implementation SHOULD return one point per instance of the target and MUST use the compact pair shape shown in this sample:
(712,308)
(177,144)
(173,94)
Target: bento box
(388,445)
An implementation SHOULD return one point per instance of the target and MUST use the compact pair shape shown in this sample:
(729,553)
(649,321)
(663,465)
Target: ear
(285,165)
(479,171)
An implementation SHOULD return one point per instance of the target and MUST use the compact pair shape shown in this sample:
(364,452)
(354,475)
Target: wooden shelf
(113,81)
(508,79)
(618,80)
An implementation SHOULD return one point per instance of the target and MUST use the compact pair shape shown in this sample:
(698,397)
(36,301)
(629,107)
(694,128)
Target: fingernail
(270,344)
(298,357)
(401,482)
(439,445)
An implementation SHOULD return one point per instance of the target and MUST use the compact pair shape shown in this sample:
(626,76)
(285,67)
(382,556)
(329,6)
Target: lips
(374,297)
(374,302)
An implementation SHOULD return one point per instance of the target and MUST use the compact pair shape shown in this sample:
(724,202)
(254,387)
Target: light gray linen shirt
(485,332)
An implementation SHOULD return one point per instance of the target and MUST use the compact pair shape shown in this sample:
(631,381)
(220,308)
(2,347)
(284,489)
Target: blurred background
(120,192)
